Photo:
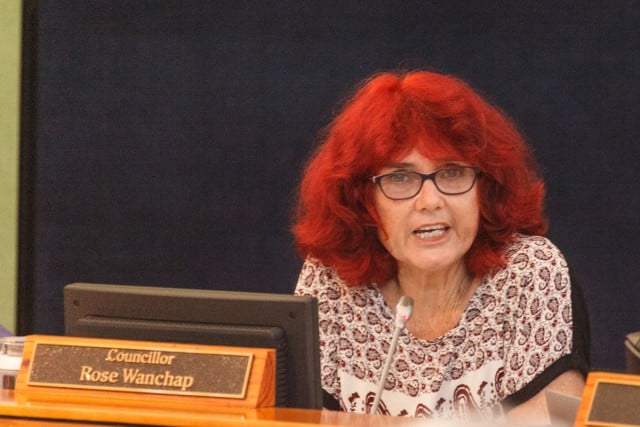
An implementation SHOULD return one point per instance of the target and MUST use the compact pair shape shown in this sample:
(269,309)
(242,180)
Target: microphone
(404,308)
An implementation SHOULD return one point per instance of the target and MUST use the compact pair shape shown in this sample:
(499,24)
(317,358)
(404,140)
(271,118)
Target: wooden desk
(30,414)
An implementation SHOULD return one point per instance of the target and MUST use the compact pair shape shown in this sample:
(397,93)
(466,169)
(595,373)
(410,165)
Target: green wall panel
(10,36)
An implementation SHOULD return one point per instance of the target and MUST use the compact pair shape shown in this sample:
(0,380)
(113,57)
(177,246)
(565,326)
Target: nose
(429,197)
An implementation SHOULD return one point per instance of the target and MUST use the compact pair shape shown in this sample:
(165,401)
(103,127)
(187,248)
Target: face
(430,232)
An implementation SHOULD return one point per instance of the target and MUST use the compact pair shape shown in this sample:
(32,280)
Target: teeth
(430,233)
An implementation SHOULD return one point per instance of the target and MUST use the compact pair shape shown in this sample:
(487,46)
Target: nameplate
(140,367)
(615,403)
(609,399)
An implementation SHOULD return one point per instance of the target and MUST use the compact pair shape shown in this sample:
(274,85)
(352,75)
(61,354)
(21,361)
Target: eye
(398,177)
(453,172)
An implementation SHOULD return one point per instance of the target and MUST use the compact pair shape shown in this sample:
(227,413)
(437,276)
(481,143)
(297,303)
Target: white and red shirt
(516,335)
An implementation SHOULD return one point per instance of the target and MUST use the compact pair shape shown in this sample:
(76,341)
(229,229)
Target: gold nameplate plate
(141,369)
(162,370)
(615,403)
(610,400)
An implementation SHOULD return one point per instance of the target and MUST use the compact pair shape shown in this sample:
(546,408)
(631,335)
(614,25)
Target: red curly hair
(390,115)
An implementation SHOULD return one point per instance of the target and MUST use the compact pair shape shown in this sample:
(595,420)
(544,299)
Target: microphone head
(404,309)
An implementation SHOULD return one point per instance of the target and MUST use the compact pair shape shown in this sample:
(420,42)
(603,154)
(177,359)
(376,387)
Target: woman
(421,188)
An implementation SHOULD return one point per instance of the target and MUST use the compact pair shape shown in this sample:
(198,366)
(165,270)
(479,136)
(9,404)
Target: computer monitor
(287,323)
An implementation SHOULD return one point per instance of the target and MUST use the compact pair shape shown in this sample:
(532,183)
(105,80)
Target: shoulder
(320,281)
(334,294)
(534,249)
(314,271)
(536,275)
(535,255)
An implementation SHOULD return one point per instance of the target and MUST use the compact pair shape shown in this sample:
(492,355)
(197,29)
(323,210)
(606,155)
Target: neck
(439,301)
(438,293)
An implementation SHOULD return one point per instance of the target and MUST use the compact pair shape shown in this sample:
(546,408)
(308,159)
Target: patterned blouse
(525,325)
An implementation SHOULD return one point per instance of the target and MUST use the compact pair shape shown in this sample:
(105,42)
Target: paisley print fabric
(516,325)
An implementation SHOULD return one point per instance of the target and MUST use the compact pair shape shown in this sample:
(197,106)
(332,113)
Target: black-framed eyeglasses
(452,180)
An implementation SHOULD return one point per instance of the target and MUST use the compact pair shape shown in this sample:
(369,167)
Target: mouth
(431,232)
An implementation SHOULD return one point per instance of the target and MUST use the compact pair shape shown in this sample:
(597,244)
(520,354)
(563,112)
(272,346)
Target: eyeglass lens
(405,185)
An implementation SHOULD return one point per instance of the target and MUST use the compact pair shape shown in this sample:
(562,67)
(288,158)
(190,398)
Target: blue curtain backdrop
(162,141)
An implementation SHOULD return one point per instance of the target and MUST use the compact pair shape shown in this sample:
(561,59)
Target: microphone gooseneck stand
(404,308)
